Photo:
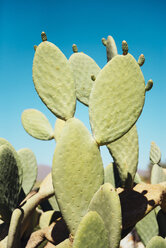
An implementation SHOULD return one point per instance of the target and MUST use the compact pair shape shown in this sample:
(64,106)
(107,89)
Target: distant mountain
(43,171)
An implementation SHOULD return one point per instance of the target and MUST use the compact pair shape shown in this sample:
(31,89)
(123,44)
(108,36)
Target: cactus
(81,204)
(83,68)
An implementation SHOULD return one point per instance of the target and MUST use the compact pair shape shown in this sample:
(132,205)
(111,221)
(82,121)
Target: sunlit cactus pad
(156,242)
(77,165)
(91,232)
(83,68)
(117,99)
(147,228)
(36,124)
(54,80)
(125,154)
(106,203)
(29,166)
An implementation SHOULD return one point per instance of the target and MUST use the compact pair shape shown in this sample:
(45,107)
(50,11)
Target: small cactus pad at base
(91,232)
(29,166)
(54,80)
(83,67)
(155,154)
(147,228)
(77,165)
(9,182)
(36,124)
(125,154)
(156,242)
(107,204)
(116,99)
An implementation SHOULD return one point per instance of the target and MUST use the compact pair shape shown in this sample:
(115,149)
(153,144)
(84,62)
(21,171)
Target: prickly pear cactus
(80,204)
(36,124)
(54,81)
(76,156)
(117,99)
(83,67)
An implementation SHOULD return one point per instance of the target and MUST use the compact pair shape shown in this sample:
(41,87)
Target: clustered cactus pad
(80,204)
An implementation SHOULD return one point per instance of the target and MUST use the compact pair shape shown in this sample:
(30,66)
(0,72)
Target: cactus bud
(75,49)
(141,60)
(124,47)
(44,36)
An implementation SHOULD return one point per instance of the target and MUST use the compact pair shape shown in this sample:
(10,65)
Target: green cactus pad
(91,232)
(155,154)
(59,125)
(36,124)
(83,68)
(147,228)
(125,154)
(158,174)
(54,80)
(9,182)
(111,175)
(106,203)
(117,99)
(19,165)
(156,242)
(77,165)
(29,165)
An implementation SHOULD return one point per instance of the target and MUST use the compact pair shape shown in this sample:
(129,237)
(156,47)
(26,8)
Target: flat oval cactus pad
(83,68)
(116,99)
(54,80)
(77,172)
(91,232)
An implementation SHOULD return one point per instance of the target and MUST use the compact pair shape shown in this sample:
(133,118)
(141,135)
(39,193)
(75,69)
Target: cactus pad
(36,124)
(9,182)
(117,99)
(19,165)
(156,242)
(106,203)
(147,228)
(54,80)
(83,68)
(155,154)
(125,154)
(77,165)
(29,165)
(158,174)
(91,232)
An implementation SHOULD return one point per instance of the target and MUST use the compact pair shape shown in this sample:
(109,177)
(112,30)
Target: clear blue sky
(141,23)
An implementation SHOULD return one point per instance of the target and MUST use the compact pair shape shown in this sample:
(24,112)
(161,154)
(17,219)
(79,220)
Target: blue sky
(141,23)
